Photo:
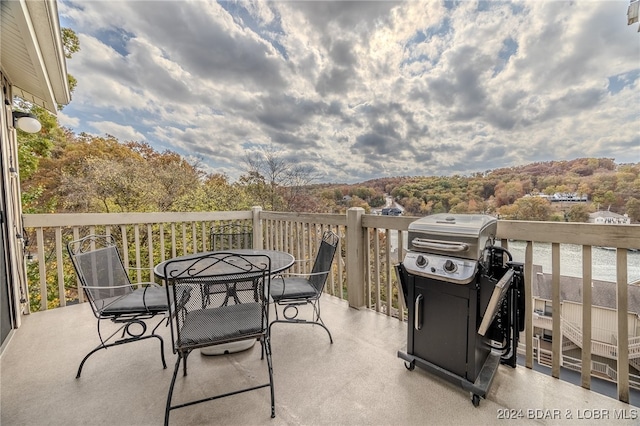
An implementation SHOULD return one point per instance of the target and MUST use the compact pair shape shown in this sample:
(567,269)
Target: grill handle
(452,247)
(417,323)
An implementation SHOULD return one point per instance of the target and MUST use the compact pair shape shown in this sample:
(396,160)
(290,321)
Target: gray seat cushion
(154,300)
(221,324)
(294,288)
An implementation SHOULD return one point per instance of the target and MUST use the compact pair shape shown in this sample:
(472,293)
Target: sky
(359,90)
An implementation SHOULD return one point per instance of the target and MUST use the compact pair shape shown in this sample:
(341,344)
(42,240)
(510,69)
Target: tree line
(519,192)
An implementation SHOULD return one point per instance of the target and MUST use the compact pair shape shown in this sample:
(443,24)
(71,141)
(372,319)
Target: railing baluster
(203,226)
(367,269)
(136,236)
(194,237)
(586,316)
(162,247)
(399,287)
(387,268)
(76,235)
(623,325)
(340,265)
(528,294)
(376,266)
(150,244)
(556,344)
(60,266)
(173,240)
(184,239)
(42,269)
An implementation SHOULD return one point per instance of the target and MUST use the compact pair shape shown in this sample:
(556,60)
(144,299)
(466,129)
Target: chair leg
(153,333)
(291,319)
(173,382)
(86,357)
(122,342)
(184,366)
(266,344)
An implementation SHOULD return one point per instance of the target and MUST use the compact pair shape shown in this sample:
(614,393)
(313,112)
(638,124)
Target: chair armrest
(105,286)
(308,274)
(147,284)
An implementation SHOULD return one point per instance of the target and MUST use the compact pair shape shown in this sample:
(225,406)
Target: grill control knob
(449,266)
(422,261)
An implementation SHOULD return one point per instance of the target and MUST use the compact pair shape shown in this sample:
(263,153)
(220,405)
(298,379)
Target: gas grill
(465,298)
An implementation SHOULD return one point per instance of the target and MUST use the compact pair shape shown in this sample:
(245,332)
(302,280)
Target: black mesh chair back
(231,236)
(228,236)
(200,320)
(291,290)
(102,275)
(324,259)
(104,279)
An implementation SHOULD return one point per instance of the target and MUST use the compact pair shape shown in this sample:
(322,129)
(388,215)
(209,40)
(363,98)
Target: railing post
(355,258)
(257,227)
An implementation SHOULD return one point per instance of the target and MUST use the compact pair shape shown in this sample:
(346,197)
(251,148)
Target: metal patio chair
(293,290)
(194,327)
(231,236)
(228,236)
(104,279)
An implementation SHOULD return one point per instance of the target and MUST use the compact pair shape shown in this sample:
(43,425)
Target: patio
(357,380)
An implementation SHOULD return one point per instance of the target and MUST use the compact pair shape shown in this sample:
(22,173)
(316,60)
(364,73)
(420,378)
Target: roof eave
(38,30)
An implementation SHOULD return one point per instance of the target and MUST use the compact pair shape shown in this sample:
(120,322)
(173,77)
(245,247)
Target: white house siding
(11,201)
(604,323)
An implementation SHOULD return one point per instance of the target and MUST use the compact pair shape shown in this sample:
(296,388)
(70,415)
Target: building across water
(604,341)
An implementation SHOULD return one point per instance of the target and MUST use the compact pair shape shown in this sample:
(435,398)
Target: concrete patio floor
(359,380)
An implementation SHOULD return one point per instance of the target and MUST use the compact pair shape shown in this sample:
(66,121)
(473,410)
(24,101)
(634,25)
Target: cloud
(122,133)
(359,90)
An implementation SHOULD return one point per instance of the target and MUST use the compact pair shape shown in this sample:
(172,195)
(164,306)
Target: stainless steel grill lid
(459,235)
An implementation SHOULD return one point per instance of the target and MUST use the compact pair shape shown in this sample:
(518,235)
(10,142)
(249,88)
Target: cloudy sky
(360,90)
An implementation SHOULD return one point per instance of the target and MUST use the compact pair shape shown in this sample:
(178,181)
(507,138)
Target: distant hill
(518,192)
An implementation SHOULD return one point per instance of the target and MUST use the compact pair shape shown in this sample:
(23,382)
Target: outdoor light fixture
(26,122)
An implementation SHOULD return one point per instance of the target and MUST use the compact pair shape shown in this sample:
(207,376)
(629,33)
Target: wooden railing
(622,237)
(363,273)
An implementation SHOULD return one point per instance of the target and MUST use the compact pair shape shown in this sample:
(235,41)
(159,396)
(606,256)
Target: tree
(578,213)
(509,192)
(633,209)
(279,182)
(214,194)
(528,208)
(70,45)
(258,189)
(70,160)
(172,173)
(110,185)
(33,147)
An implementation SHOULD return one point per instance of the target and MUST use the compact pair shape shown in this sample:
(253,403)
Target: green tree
(633,209)
(70,45)
(281,183)
(215,194)
(533,208)
(578,213)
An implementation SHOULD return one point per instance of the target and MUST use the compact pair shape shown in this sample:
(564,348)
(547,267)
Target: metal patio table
(280,261)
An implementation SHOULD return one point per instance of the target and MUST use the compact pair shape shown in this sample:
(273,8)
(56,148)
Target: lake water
(603,262)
